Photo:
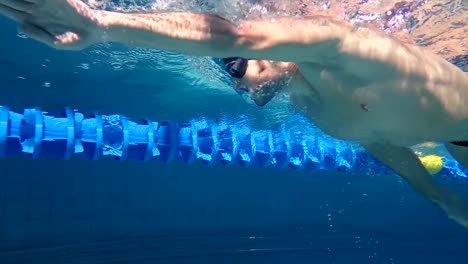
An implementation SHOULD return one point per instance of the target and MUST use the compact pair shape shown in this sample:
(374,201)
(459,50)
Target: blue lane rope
(72,135)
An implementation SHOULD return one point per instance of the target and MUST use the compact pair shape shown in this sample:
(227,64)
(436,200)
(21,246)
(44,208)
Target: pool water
(79,211)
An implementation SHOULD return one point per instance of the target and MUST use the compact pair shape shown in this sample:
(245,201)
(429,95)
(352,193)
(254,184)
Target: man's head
(257,79)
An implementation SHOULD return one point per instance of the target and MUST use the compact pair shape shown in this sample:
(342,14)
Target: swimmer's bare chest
(399,111)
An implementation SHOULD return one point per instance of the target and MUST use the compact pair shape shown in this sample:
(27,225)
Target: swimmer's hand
(62,24)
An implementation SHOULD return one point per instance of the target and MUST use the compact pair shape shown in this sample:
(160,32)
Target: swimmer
(353,83)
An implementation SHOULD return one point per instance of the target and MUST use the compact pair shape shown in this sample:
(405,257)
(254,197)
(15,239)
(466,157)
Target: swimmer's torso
(377,109)
(386,101)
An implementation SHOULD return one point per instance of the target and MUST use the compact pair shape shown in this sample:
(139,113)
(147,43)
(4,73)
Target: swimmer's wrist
(105,22)
(115,27)
(163,31)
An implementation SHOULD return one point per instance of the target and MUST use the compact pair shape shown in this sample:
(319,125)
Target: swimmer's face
(248,78)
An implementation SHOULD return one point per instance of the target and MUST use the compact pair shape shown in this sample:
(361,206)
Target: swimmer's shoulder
(369,52)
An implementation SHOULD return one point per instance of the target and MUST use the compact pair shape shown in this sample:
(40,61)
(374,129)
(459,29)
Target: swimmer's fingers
(67,40)
(38,34)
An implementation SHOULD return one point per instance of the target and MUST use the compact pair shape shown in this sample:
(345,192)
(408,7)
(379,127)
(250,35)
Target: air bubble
(84,66)
(22,35)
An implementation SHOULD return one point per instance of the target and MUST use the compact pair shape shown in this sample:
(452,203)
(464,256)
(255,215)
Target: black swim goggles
(236,66)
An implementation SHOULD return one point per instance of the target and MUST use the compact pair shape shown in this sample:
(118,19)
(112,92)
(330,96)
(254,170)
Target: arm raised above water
(281,39)
(70,24)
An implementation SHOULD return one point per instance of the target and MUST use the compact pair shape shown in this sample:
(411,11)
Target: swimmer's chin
(262,100)
(256,101)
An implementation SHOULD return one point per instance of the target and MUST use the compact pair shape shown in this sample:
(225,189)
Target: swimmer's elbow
(313,39)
